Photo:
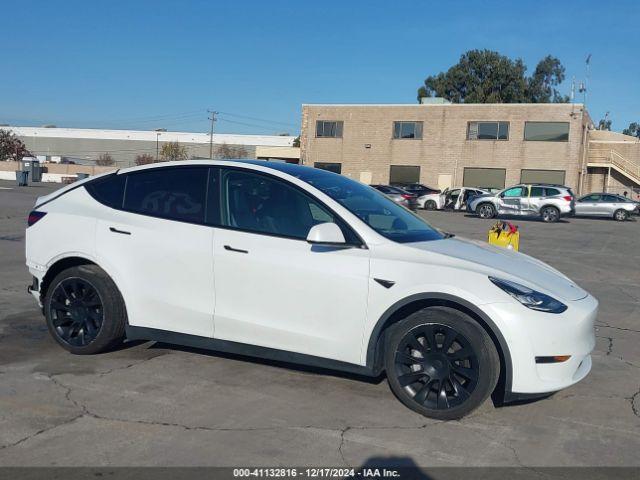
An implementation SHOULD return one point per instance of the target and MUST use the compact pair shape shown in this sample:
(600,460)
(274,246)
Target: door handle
(231,249)
(115,230)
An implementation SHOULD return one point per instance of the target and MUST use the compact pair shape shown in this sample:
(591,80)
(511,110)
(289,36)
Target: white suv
(303,265)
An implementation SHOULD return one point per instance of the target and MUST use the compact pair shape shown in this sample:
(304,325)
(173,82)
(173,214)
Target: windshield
(372,207)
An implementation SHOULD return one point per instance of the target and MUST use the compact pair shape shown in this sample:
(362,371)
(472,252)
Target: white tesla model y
(303,265)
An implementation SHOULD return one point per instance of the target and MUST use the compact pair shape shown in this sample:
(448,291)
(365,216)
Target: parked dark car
(418,189)
(399,195)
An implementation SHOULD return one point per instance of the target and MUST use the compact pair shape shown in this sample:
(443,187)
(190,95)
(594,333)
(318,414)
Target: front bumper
(530,334)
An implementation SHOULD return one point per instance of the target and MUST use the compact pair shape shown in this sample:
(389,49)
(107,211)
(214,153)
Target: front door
(273,289)
(511,200)
(160,252)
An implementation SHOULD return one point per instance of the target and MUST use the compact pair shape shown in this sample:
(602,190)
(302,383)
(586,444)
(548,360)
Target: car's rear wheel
(486,210)
(441,363)
(430,205)
(550,214)
(84,310)
(620,215)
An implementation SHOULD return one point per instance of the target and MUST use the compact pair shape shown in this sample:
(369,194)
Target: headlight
(530,298)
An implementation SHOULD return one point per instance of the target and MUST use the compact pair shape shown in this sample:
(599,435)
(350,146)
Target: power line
(258,119)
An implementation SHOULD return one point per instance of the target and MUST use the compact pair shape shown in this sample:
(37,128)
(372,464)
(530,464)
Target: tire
(418,374)
(620,215)
(84,310)
(430,205)
(550,214)
(486,210)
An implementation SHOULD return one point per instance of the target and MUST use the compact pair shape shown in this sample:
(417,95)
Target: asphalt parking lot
(154,404)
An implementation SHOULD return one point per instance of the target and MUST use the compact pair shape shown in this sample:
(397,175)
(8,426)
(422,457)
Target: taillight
(568,198)
(34,216)
(407,196)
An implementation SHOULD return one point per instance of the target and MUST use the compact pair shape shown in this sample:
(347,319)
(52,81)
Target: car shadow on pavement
(513,218)
(272,363)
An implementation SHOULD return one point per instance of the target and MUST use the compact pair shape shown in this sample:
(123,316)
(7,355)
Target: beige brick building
(450,145)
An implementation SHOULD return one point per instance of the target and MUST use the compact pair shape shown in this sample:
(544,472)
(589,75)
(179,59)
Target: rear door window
(176,193)
(537,192)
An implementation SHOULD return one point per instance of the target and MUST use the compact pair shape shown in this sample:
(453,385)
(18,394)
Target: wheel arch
(413,303)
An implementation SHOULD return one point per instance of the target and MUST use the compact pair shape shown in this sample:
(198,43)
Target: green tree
(604,124)
(173,151)
(485,76)
(11,147)
(296,142)
(633,130)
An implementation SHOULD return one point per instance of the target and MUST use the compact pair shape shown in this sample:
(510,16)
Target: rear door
(158,248)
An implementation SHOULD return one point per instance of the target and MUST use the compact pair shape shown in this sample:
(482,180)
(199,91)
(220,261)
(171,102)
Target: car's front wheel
(620,215)
(441,363)
(84,310)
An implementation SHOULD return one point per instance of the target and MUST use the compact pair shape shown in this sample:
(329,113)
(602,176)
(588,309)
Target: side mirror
(326,234)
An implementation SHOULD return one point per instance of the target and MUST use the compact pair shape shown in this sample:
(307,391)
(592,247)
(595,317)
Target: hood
(503,263)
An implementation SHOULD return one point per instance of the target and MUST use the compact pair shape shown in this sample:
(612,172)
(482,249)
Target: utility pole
(213,120)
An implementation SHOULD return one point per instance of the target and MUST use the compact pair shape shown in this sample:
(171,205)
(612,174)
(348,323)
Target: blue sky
(155,64)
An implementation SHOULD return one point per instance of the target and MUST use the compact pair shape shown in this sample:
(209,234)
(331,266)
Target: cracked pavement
(156,404)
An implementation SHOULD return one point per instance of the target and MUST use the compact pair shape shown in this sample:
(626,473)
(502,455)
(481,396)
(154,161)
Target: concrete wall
(53,172)
(367,146)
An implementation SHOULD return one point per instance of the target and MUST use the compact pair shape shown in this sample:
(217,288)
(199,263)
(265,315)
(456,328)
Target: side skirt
(206,343)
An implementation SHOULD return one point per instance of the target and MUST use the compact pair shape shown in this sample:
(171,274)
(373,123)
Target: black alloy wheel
(437,366)
(76,311)
(440,362)
(430,205)
(84,310)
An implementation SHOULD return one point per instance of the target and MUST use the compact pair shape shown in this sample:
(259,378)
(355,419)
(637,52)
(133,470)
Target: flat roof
(442,105)
(151,136)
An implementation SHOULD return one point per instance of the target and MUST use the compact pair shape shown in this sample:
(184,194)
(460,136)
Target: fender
(504,383)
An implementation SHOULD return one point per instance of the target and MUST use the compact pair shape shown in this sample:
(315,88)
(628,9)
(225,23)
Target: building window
(332,167)
(542,176)
(546,131)
(484,177)
(404,174)
(407,130)
(488,131)
(328,129)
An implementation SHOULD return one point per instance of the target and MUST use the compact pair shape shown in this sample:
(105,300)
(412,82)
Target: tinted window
(546,131)
(552,192)
(610,199)
(261,204)
(329,128)
(537,192)
(332,167)
(373,208)
(108,190)
(174,193)
(407,130)
(590,198)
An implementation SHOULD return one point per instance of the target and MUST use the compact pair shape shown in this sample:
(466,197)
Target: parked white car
(455,199)
(303,265)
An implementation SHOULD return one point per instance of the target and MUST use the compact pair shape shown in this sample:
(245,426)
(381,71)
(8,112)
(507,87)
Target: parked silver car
(606,205)
(549,202)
